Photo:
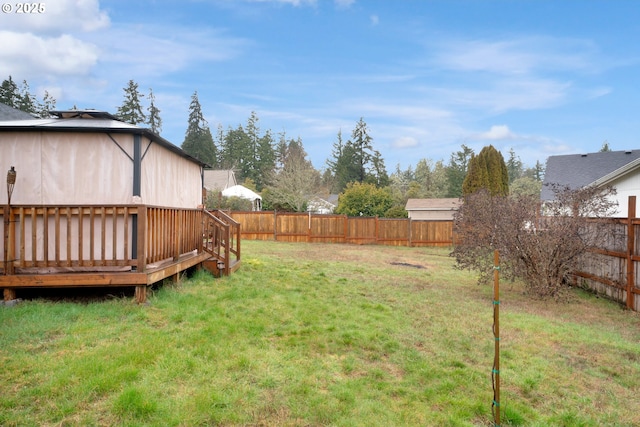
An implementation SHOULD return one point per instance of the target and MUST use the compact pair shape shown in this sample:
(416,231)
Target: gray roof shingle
(579,170)
(10,113)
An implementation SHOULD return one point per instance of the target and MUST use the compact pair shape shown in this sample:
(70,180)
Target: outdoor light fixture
(11,181)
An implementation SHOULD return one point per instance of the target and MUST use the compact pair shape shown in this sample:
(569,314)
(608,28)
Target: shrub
(540,250)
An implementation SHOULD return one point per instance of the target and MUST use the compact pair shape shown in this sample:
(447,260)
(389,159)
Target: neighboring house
(319,205)
(619,169)
(10,113)
(432,209)
(218,180)
(244,193)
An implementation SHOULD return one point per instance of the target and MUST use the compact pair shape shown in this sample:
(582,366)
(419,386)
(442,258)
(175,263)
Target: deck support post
(9,294)
(141,294)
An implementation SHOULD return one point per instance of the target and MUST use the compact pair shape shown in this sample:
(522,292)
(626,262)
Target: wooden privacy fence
(319,228)
(612,269)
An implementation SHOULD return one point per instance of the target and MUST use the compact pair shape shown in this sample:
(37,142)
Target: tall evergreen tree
(198,141)
(266,159)
(10,93)
(487,171)
(514,166)
(47,105)
(457,170)
(27,101)
(357,160)
(131,110)
(153,119)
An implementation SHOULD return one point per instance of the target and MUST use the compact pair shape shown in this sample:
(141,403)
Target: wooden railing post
(12,242)
(631,239)
(141,246)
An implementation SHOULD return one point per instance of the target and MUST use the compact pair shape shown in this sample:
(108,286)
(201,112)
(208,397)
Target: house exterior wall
(628,185)
(432,215)
(71,168)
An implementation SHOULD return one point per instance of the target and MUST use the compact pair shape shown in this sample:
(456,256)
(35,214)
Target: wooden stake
(496,334)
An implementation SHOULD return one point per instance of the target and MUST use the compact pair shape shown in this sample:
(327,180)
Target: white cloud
(497,132)
(26,55)
(375,20)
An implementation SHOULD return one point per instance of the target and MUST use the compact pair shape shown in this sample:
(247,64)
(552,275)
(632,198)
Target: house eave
(114,127)
(610,177)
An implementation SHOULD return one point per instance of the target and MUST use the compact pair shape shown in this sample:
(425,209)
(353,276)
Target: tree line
(277,166)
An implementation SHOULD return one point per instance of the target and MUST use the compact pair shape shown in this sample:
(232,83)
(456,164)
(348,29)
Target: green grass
(315,335)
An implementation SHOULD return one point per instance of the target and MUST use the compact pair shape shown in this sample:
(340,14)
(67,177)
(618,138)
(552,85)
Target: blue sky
(541,77)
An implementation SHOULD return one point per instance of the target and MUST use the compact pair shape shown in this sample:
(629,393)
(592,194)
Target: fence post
(496,333)
(275,225)
(410,231)
(345,227)
(631,238)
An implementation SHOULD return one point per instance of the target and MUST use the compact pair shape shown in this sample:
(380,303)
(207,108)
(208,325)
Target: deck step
(216,267)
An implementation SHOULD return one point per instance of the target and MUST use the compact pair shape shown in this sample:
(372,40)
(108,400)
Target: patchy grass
(312,334)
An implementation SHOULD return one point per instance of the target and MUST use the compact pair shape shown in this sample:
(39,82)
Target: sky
(539,77)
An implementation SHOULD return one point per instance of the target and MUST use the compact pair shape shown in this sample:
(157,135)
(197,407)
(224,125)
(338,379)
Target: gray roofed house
(620,169)
(10,113)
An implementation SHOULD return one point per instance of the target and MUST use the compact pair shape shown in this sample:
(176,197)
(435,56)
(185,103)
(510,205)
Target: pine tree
(357,160)
(457,170)
(487,171)
(131,110)
(153,119)
(27,101)
(9,93)
(514,166)
(47,105)
(198,141)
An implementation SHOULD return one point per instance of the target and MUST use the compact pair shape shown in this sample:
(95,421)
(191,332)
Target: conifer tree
(457,170)
(9,93)
(131,110)
(198,141)
(26,100)
(47,105)
(487,171)
(153,119)
(357,160)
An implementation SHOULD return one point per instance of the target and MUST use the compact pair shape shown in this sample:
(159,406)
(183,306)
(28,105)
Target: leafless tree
(540,244)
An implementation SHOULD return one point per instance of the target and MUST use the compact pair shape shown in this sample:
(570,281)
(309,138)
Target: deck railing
(124,237)
(222,239)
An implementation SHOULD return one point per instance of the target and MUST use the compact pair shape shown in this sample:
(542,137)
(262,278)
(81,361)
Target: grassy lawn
(315,335)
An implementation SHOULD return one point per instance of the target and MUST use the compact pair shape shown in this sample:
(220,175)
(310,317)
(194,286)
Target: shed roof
(90,121)
(241,191)
(445,204)
(219,179)
(580,170)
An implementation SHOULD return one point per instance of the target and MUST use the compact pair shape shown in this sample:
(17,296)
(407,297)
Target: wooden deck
(80,246)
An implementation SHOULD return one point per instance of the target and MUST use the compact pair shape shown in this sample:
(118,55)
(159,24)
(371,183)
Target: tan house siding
(432,209)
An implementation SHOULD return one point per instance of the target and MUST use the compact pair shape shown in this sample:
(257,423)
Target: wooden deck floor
(110,277)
